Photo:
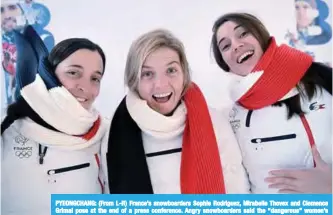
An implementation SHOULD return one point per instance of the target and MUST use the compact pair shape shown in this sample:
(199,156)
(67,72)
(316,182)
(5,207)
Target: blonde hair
(144,46)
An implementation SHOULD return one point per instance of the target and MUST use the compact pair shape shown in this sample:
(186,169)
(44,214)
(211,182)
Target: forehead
(227,30)
(90,60)
(162,56)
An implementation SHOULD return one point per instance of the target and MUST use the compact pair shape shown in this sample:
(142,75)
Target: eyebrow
(77,66)
(235,28)
(99,73)
(80,67)
(172,62)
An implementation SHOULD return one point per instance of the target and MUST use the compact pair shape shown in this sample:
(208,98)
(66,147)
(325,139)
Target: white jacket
(27,185)
(165,170)
(235,177)
(269,141)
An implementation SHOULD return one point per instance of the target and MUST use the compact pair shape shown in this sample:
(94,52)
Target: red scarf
(201,169)
(91,133)
(283,68)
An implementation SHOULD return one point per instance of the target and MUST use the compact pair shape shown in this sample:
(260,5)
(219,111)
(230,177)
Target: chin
(163,110)
(167,112)
(243,73)
(86,106)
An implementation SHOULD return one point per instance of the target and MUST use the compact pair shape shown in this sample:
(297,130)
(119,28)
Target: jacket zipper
(41,152)
(248,118)
(67,169)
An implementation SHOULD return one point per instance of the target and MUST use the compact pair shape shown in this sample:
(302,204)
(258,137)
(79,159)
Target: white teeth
(239,60)
(81,99)
(162,95)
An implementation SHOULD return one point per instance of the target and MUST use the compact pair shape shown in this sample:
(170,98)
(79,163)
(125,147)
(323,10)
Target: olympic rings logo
(23,154)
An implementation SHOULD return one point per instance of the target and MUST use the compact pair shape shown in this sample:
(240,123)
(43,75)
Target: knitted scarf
(201,169)
(53,110)
(282,68)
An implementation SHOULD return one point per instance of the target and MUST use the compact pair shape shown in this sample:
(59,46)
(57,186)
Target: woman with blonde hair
(163,136)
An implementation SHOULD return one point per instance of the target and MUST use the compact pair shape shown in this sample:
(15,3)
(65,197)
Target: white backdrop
(114,24)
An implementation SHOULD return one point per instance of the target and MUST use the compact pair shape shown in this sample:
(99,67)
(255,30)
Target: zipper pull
(41,158)
(41,153)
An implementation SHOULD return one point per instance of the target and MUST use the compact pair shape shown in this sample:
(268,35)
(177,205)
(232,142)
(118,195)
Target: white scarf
(154,123)
(59,108)
(59,140)
(239,85)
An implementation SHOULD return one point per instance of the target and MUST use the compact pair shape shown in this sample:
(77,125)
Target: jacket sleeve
(235,177)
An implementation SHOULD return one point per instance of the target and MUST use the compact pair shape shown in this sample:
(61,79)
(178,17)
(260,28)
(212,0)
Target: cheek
(67,83)
(95,91)
(144,90)
(259,51)
(228,59)
(179,84)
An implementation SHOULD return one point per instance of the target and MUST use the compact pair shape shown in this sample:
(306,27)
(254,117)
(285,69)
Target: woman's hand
(314,180)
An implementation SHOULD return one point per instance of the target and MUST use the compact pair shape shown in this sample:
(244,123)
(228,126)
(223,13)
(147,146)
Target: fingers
(282,183)
(289,191)
(282,186)
(288,173)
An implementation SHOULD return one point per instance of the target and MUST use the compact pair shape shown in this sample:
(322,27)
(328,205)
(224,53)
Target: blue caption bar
(192,204)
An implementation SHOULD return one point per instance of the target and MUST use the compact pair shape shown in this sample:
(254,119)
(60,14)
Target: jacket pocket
(274,138)
(67,169)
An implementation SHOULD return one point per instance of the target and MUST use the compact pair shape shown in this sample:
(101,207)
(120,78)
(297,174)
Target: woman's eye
(146,74)
(243,34)
(225,47)
(171,70)
(72,73)
(98,80)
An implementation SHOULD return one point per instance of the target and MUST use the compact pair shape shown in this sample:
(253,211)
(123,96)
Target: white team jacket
(164,170)
(28,182)
(269,141)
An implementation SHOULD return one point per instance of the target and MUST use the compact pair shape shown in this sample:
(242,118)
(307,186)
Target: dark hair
(60,52)
(317,76)
(67,47)
(251,23)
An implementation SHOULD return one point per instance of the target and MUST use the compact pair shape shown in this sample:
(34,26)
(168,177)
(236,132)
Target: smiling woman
(162,80)
(80,72)
(51,137)
(163,137)
(283,107)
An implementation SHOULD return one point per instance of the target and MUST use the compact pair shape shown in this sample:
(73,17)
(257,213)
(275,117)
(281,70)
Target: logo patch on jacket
(235,123)
(21,150)
(316,106)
